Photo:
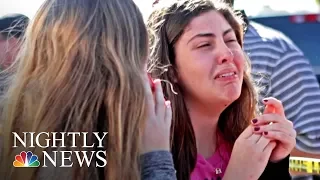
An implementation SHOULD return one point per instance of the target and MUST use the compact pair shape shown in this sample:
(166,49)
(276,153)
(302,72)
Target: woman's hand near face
(156,135)
(274,125)
(250,155)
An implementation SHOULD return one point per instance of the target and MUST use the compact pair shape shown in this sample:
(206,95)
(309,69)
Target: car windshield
(259,8)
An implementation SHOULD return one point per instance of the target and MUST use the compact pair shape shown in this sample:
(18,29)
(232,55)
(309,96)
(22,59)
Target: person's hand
(250,155)
(156,135)
(274,125)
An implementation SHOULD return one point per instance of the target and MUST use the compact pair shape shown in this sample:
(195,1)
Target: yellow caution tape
(306,165)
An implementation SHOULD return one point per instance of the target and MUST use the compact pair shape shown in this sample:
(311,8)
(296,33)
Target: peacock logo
(26,159)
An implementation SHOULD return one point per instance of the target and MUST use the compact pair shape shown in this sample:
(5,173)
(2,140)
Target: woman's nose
(225,54)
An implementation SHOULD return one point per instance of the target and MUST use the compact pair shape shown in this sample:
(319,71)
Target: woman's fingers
(279,136)
(149,96)
(275,105)
(157,132)
(262,143)
(278,132)
(275,127)
(247,133)
(269,109)
(254,137)
(269,148)
(160,102)
(271,118)
(168,114)
(258,140)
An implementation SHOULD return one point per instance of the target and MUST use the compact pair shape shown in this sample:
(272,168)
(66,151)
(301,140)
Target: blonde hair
(80,70)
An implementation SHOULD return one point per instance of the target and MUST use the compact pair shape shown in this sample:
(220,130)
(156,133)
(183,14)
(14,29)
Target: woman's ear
(172,72)
(175,79)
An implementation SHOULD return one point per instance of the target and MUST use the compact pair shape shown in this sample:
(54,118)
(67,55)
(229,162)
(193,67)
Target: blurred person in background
(12,28)
(282,70)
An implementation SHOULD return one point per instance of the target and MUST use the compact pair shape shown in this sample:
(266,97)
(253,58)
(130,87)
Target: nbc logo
(26,160)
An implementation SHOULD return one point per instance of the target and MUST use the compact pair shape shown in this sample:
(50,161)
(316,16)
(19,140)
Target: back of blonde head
(79,70)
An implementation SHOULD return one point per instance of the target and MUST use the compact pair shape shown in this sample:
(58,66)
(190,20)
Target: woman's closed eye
(203,45)
(231,40)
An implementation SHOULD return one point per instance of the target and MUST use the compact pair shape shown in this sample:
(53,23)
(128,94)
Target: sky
(252,7)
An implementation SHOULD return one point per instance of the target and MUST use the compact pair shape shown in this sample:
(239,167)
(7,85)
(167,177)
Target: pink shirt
(206,169)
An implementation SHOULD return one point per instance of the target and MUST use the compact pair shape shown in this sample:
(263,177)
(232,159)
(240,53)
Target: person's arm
(279,170)
(157,165)
(294,83)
